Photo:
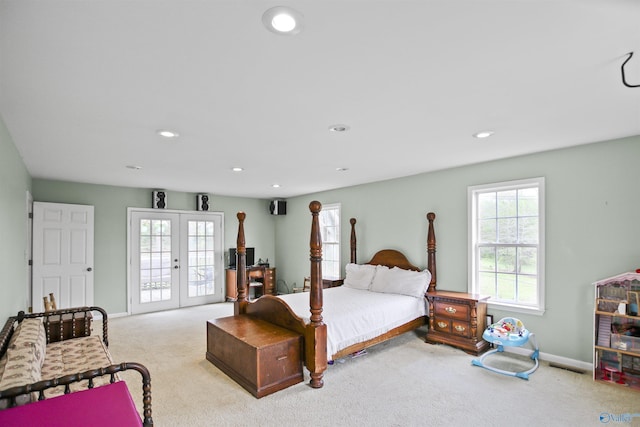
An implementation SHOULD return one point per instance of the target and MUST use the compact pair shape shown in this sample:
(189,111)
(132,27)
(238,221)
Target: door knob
(89,269)
(176,267)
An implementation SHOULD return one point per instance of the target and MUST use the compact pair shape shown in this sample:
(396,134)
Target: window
(506,236)
(330,231)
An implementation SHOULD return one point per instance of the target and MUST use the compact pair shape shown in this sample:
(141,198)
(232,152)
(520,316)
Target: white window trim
(539,308)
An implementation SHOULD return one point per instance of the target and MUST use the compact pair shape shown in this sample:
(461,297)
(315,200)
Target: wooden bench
(45,355)
(261,357)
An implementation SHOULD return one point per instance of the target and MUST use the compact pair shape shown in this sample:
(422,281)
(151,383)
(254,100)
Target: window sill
(535,311)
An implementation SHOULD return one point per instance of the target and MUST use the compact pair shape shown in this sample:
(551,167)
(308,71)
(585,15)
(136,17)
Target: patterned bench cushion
(22,362)
(20,368)
(74,356)
(30,334)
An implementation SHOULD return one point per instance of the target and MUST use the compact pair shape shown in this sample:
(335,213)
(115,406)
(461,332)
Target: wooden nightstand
(457,319)
(332,282)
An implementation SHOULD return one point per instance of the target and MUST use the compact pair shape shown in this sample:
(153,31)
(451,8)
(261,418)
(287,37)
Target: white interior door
(176,259)
(62,254)
(28,256)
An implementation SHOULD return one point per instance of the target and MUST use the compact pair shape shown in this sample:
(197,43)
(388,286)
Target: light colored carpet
(404,382)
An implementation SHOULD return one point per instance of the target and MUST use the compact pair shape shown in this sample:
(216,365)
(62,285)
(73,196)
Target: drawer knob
(450,310)
(460,328)
(442,325)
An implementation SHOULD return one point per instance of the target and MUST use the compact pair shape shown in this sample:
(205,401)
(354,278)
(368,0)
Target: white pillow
(404,282)
(380,279)
(359,276)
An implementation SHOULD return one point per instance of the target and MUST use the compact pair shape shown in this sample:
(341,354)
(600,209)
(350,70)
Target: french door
(176,259)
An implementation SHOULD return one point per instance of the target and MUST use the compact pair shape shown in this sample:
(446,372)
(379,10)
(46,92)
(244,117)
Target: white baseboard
(98,316)
(122,314)
(552,358)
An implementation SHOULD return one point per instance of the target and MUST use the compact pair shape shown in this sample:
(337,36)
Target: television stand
(255,274)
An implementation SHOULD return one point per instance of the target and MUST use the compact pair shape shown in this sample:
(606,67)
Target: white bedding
(354,315)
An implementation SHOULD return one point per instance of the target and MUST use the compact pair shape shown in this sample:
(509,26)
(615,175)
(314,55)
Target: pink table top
(105,406)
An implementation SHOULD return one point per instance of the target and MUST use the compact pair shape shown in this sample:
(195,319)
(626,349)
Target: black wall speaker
(278,207)
(203,202)
(159,200)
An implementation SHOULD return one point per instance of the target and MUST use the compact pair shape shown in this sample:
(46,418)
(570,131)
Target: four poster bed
(379,300)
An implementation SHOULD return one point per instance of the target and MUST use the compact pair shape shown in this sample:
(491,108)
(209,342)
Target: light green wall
(592,228)
(111,203)
(15,181)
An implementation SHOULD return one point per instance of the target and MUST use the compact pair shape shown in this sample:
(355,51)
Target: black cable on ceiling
(624,80)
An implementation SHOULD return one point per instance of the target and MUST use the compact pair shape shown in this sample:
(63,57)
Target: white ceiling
(84,85)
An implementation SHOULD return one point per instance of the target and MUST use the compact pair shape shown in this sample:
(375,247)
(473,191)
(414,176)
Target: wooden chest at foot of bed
(261,357)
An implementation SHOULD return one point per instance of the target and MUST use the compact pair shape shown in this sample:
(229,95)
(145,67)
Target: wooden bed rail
(318,360)
(431,252)
(353,241)
(240,305)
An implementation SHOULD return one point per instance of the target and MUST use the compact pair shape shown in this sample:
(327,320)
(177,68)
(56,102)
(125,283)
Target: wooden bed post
(317,356)
(240,305)
(431,252)
(352,243)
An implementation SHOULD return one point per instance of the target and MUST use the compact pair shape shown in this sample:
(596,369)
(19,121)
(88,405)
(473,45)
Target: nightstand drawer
(442,325)
(452,310)
(460,328)
(453,327)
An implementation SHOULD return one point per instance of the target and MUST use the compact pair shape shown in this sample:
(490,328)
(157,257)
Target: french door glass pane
(201,258)
(155,260)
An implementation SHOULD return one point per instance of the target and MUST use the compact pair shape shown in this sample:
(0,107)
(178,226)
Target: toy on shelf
(609,373)
(509,332)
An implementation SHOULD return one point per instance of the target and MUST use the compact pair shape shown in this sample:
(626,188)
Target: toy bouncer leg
(523,374)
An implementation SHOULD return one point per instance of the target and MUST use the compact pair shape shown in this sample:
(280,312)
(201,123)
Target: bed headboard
(394,258)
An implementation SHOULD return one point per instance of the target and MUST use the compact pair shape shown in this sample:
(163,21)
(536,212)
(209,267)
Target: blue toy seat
(509,332)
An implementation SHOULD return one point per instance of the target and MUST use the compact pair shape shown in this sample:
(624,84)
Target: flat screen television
(251,259)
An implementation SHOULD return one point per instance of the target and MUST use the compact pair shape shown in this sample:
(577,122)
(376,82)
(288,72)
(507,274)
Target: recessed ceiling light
(275,185)
(134,167)
(342,169)
(237,169)
(339,128)
(483,134)
(168,133)
(282,20)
